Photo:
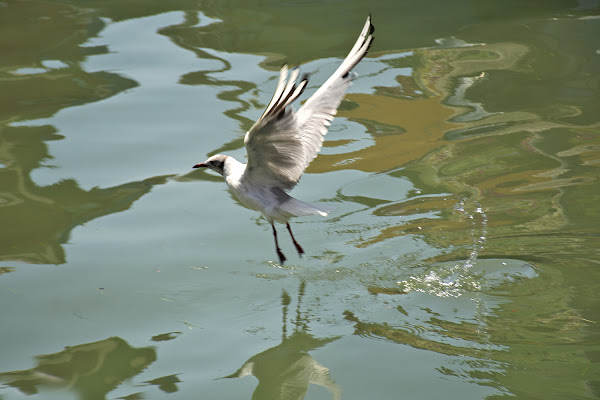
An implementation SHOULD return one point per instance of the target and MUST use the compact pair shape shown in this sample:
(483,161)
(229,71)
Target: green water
(462,261)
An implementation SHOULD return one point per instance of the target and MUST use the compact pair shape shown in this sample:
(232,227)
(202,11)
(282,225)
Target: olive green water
(462,261)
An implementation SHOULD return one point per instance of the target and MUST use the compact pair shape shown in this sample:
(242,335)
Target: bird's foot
(281,257)
(299,249)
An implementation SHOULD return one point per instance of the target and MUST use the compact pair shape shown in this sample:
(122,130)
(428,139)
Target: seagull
(282,143)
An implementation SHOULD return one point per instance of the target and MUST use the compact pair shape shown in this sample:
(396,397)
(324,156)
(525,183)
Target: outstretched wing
(282,142)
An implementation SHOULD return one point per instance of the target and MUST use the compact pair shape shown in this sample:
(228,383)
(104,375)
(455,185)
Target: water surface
(461,261)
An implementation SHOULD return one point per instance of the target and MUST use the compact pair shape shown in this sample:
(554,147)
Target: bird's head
(216,163)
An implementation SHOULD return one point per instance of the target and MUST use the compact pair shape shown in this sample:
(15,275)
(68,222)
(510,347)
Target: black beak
(201,165)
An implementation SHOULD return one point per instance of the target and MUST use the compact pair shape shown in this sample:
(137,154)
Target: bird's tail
(298,208)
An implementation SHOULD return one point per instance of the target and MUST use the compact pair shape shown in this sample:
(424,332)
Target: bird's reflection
(286,370)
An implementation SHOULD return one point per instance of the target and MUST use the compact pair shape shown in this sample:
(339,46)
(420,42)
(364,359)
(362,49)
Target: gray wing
(282,142)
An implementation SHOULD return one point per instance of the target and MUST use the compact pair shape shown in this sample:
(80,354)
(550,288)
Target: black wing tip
(370,35)
(303,84)
(367,42)
(371,26)
(280,108)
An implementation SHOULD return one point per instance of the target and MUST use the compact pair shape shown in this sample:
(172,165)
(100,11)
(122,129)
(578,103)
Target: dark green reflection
(38,220)
(91,370)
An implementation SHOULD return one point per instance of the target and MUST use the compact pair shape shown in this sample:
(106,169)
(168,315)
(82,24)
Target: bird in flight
(282,143)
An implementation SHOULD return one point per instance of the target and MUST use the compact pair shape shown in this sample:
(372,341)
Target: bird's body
(273,202)
(283,142)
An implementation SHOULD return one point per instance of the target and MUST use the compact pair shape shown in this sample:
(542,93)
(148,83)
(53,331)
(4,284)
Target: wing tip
(365,40)
(371,26)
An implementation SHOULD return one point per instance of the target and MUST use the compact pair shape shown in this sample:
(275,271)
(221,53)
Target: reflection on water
(38,220)
(42,218)
(454,281)
(91,370)
(520,319)
(286,370)
(167,384)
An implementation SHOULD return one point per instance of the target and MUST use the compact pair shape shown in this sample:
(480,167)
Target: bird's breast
(256,197)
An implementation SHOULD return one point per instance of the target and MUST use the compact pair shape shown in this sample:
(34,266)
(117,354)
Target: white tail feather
(299,208)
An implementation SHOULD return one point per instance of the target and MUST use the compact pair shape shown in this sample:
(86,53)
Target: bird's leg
(279,253)
(298,247)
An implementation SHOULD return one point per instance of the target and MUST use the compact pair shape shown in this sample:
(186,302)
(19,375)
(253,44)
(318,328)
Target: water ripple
(455,281)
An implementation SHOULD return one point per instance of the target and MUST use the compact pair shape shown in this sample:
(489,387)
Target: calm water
(462,261)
